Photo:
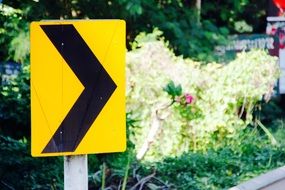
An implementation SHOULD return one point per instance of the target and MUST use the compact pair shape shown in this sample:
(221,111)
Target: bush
(15,105)
(222,168)
(18,170)
(223,97)
(214,169)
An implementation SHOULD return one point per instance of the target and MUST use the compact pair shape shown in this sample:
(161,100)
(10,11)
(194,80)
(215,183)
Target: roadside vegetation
(194,120)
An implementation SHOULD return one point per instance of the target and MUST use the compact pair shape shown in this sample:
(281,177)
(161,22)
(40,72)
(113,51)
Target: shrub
(18,170)
(223,97)
(222,168)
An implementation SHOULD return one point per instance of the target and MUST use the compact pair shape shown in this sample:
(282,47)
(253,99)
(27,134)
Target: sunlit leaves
(224,96)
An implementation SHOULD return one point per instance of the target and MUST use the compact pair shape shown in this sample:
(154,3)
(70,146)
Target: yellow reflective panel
(78,87)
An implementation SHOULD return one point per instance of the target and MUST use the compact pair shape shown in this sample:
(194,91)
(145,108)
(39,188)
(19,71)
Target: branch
(154,130)
(143,181)
(8,186)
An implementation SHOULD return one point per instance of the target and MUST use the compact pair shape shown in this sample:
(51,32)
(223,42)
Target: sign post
(75,172)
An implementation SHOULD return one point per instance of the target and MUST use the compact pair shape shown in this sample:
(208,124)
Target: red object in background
(282,41)
(279,3)
(281,6)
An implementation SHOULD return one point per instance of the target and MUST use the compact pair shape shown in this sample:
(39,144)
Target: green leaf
(172,89)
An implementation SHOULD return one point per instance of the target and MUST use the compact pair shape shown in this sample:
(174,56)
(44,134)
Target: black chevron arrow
(98,87)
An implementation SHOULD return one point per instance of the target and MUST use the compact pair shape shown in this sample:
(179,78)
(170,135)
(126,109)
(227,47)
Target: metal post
(75,172)
(282,67)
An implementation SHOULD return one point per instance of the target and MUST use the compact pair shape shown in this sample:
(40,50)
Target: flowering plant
(206,105)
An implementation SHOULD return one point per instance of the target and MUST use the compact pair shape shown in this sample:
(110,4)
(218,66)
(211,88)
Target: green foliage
(15,95)
(177,20)
(18,170)
(270,113)
(112,168)
(214,169)
(189,112)
(173,90)
(19,48)
(14,37)
(15,105)
(250,156)
(240,16)
(222,168)
(224,96)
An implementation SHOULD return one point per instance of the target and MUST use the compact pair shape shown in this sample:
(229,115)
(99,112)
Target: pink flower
(273,31)
(189,98)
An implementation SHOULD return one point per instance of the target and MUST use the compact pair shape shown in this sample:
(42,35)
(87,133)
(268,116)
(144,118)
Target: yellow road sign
(78,87)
